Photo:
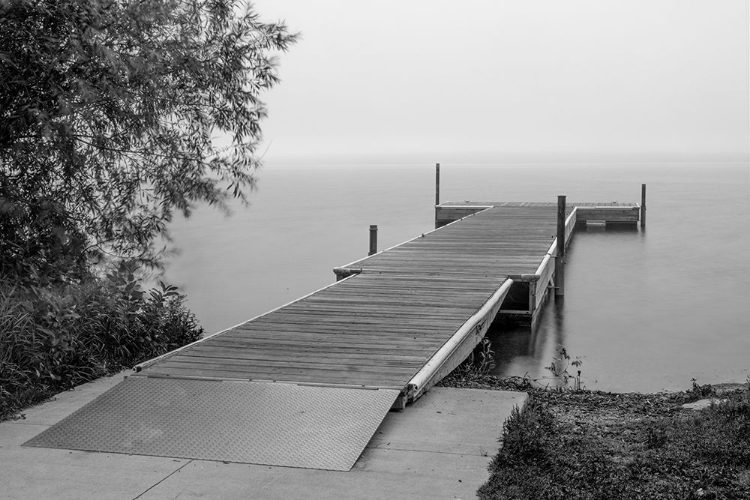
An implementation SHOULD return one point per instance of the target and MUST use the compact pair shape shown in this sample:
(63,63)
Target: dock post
(643,205)
(437,184)
(560,257)
(373,239)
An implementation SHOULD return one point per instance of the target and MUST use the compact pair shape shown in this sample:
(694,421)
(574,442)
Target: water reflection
(525,350)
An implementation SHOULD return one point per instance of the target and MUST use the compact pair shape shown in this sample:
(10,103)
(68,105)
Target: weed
(486,358)
(475,367)
(656,435)
(698,391)
(559,369)
(525,433)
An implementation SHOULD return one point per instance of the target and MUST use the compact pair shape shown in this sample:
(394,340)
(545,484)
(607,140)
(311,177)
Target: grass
(578,444)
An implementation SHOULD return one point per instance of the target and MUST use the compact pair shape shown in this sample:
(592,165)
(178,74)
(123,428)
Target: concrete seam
(164,479)
(467,453)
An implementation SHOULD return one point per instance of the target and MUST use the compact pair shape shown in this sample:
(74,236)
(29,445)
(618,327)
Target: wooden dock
(404,317)
(308,384)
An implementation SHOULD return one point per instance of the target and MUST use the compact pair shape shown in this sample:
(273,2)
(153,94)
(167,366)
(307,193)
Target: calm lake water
(646,310)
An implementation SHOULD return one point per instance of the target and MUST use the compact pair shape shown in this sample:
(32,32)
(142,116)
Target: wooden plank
(447,214)
(608,214)
(545,276)
(309,354)
(290,366)
(407,343)
(340,378)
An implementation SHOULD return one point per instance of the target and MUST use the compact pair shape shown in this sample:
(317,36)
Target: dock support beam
(643,205)
(373,240)
(560,257)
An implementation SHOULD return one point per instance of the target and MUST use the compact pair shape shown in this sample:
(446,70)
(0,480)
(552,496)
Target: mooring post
(643,205)
(437,184)
(373,239)
(560,257)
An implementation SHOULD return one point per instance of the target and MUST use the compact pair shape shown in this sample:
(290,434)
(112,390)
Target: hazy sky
(494,80)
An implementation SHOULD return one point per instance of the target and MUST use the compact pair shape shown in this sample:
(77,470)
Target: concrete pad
(439,447)
(42,473)
(466,421)
(67,402)
(422,478)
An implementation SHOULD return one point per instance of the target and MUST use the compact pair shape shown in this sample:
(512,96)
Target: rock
(703,494)
(703,404)
(729,387)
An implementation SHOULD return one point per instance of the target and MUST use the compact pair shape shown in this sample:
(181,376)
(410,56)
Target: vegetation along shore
(571,443)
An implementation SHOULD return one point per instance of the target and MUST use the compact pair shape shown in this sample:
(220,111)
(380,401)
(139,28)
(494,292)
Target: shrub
(525,435)
(55,337)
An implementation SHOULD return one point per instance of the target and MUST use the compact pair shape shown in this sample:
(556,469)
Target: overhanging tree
(112,114)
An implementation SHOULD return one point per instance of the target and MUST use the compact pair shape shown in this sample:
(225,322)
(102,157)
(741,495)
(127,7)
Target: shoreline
(457,381)
(691,444)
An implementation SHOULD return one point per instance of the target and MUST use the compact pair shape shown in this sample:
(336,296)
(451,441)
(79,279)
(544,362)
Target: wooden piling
(437,184)
(373,240)
(643,205)
(560,257)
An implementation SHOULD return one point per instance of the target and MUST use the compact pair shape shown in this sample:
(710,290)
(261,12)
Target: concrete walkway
(439,447)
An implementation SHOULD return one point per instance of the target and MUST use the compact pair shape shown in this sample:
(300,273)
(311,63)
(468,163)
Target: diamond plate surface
(246,422)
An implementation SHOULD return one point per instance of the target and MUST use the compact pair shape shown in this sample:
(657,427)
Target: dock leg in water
(560,257)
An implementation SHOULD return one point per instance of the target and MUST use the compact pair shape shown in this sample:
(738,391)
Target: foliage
(53,338)
(480,363)
(698,391)
(114,114)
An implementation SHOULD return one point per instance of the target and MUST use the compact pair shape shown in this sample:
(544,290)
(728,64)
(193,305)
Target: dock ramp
(247,422)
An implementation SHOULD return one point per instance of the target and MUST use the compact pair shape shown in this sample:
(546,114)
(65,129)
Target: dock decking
(368,332)
(378,328)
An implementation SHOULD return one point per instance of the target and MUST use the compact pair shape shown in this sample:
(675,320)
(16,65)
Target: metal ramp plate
(247,422)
